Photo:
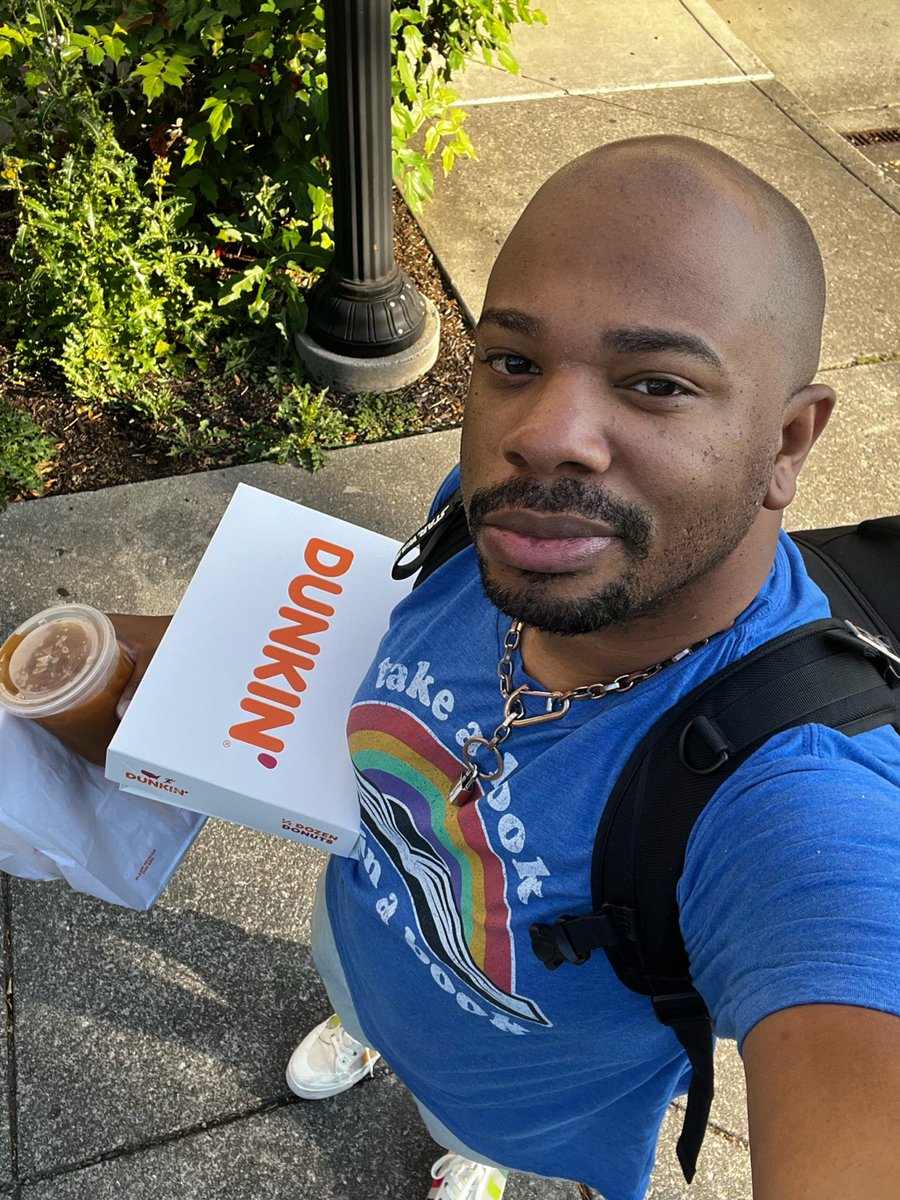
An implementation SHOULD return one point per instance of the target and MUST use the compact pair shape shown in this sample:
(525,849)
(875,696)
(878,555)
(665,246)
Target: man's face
(624,412)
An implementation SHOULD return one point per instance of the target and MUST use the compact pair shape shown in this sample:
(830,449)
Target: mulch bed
(112,446)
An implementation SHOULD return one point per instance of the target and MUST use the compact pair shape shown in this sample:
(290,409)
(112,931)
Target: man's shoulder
(804,786)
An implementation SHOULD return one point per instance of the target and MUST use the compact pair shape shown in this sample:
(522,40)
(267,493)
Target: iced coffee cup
(64,669)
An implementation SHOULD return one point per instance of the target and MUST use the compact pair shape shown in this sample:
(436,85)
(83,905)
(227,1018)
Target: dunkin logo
(156,781)
(273,695)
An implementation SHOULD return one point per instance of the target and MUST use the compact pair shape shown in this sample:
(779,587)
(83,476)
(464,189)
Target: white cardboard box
(242,712)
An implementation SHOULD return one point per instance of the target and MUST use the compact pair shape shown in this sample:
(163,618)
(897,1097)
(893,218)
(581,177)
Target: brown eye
(659,387)
(512,364)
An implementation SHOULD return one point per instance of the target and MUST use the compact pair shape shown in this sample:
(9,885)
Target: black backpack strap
(830,673)
(687,1016)
(444,535)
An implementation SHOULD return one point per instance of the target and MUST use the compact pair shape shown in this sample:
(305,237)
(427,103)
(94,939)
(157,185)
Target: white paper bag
(61,819)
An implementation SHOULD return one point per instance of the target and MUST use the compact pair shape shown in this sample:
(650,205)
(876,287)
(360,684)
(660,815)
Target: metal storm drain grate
(881,147)
(873,137)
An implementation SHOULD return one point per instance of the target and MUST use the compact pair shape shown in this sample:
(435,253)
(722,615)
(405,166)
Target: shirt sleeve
(791,889)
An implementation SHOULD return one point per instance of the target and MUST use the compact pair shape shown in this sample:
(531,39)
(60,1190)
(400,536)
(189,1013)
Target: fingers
(139,637)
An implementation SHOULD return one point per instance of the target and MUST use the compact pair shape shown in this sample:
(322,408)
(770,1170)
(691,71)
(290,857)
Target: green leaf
(34,79)
(463,144)
(220,116)
(258,310)
(152,87)
(95,54)
(206,186)
(432,140)
(312,41)
(415,44)
(244,282)
(114,47)
(194,151)
(172,77)
(258,43)
(508,60)
(406,76)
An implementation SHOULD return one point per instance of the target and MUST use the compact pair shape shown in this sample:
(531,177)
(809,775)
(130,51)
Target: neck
(560,663)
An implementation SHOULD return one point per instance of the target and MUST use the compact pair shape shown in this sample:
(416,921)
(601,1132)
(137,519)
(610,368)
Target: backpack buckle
(552,945)
(573,939)
(877,646)
(678,1007)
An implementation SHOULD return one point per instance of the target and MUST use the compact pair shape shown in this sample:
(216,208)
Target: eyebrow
(636,339)
(515,320)
(642,339)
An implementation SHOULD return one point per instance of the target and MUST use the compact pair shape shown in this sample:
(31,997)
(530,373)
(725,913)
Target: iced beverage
(64,669)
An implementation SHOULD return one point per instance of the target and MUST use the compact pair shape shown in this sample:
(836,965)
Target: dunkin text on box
(290,651)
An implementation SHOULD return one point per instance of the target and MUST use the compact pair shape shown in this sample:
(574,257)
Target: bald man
(642,401)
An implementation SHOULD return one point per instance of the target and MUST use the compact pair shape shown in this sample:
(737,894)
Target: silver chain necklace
(516,714)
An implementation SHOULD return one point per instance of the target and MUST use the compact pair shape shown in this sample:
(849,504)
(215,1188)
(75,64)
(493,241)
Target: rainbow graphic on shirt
(456,880)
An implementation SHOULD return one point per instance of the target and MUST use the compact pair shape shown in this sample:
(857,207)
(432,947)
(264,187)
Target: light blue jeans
(328,964)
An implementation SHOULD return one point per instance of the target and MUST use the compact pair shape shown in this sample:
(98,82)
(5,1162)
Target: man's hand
(823,1094)
(138,637)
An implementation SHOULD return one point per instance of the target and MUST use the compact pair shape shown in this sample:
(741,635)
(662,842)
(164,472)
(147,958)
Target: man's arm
(823,1094)
(138,637)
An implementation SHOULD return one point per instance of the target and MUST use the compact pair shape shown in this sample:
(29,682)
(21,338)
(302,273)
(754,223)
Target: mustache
(567,495)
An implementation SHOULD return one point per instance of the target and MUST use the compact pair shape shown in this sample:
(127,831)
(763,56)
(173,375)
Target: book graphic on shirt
(455,879)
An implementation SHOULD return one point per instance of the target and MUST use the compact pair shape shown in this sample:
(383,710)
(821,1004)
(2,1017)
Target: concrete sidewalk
(146,1051)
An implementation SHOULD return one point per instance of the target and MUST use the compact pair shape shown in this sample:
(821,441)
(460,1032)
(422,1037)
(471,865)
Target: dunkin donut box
(242,712)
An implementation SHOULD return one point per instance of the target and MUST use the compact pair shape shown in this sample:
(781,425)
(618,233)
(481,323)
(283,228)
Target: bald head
(673,185)
(643,366)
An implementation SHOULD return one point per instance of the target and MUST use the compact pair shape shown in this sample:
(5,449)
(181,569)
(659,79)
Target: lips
(546,543)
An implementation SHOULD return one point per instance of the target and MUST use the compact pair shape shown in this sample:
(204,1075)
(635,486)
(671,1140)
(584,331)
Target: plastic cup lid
(34,677)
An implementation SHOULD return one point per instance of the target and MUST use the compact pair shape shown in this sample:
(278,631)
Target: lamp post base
(383,374)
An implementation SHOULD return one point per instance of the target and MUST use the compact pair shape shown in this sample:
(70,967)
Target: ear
(805,416)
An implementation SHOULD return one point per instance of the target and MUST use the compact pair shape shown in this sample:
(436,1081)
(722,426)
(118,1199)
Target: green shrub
(381,415)
(169,164)
(26,455)
(234,92)
(102,281)
(304,426)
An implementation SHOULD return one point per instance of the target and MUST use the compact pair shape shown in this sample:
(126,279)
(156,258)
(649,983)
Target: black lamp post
(367,326)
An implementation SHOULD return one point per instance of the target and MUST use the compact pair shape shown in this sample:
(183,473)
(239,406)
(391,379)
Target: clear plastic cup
(64,669)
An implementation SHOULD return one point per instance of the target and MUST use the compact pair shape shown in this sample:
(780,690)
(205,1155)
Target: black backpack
(830,672)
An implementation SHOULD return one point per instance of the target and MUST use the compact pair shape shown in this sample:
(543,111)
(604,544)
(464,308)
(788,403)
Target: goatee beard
(612,604)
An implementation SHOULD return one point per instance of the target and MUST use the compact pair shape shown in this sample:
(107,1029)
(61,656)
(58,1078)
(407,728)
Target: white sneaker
(458,1178)
(328,1061)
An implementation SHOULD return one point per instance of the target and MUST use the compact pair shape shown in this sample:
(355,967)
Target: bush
(25,455)
(169,165)
(100,275)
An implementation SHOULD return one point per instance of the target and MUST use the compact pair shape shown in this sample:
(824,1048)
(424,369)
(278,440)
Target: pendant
(461,792)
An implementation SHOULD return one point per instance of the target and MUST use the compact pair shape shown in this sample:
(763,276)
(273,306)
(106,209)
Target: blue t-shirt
(790,893)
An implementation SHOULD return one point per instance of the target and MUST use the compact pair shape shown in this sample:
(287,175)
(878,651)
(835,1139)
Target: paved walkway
(145,1051)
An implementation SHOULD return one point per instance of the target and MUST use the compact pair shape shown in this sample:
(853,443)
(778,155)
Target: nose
(561,425)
